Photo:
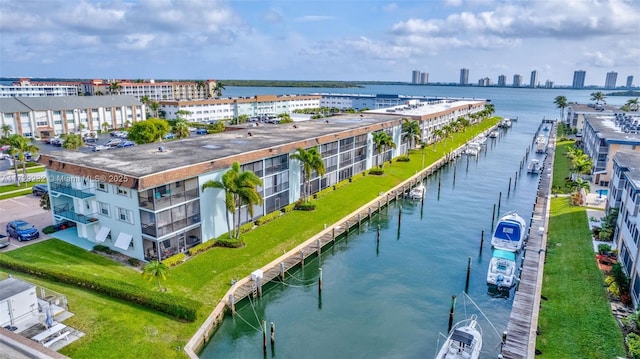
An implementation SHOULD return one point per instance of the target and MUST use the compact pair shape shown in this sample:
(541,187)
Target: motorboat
(509,233)
(493,134)
(464,341)
(534,166)
(417,192)
(472,149)
(505,123)
(502,269)
(541,144)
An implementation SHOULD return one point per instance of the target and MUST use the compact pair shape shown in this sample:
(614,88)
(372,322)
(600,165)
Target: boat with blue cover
(510,233)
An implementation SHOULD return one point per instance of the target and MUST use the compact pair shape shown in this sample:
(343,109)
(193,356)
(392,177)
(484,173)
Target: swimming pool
(602,192)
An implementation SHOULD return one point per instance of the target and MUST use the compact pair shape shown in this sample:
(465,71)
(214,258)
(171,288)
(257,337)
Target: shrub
(48,229)
(376,171)
(341,184)
(229,242)
(247,227)
(133,261)
(608,280)
(604,248)
(268,218)
(633,343)
(201,247)
(288,208)
(403,159)
(305,206)
(174,260)
(103,249)
(179,307)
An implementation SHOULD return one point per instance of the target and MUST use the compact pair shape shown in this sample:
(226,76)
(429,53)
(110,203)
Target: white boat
(509,233)
(464,341)
(417,192)
(473,148)
(541,144)
(534,166)
(502,269)
(505,123)
(493,134)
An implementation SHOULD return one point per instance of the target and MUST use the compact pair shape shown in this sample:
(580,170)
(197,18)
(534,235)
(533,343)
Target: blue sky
(320,40)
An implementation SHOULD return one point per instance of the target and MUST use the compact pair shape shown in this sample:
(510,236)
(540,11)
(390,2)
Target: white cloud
(273,16)
(312,18)
(390,7)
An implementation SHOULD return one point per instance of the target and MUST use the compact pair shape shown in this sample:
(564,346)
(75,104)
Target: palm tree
(561,103)
(181,113)
(311,161)
(582,164)
(21,145)
(411,132)
(631,103)
(114,88)
(438,134)
(181,129)
(448,131)
(382,140)
(6,129)
(490,109)
(157,270)
(201,85)
(145,100)
(218,88)
(72,141)
(240,189)
(598,96)
(155,108)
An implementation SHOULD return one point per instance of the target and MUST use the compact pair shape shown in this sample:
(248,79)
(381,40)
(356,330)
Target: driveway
(28,209)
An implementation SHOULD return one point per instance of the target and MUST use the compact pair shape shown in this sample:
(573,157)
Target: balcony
(68,213)
(73,192)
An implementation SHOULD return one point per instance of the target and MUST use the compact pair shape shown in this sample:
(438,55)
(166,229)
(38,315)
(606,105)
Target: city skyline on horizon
(364,40)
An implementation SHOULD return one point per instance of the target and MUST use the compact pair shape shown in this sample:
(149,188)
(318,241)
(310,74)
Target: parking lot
(26,208)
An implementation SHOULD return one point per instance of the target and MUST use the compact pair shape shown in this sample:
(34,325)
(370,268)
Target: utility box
(256,275)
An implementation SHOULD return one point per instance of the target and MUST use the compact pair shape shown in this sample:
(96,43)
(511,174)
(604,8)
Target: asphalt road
(26,208)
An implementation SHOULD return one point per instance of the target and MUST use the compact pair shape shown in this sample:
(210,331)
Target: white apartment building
(45,117)
(156,91)
(624,194)
(25,88)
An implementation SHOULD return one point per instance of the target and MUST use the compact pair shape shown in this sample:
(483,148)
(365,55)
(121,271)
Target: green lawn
(116,329)
(561,166)
(575,321)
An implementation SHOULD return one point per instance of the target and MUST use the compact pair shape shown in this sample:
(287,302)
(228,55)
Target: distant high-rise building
(548,84)
(534,79)
(484,82)
(464,76)
(415,77)
(629,81)
(424,78)
(611,79)
(502,80)
(578,79)
(517,80)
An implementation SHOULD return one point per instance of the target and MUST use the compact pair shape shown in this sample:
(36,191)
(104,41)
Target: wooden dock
(312,247)
(523,321)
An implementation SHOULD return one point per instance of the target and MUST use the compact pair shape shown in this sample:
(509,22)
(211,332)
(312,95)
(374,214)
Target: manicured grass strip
(15,194)
(561,166)
(576,320)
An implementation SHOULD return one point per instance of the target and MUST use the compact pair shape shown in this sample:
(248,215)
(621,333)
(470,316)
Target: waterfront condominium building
(624,194)
(45,117)
(517,80)
(610,81)
(484,82)
(548,84)
(534,79)
(578,79)
(502,80)
(629,81)
(415,77)
(424,78)
(24,88)
(464,76)
(148,203)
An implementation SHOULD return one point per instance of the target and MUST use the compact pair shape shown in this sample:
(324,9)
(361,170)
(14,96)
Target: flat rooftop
(605,125)
(631,160)
(424,109)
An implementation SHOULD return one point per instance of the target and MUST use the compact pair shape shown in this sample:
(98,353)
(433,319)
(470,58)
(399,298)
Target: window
(123,191)
(102,187)
(104,209)
(124,215)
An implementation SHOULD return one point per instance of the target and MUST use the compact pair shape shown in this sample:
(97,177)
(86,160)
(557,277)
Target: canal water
(391,299)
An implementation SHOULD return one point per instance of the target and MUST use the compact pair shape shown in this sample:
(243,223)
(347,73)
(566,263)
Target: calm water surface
(392,300)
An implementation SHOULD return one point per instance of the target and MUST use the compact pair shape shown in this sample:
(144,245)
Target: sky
(345,40)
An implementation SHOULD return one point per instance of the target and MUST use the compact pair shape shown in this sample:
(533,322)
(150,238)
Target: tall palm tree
(145,100)
(155,108)
(181,129)
(72,141)
(181,113)
(200,85)
(115,87)
(438,134)
(6,129)
(411,132)
(582,164)
(218,88)
(382,140)
(226,184)
(156,270)
(598,96)
(491,109)
(561,103)
(21,145)
(311,161)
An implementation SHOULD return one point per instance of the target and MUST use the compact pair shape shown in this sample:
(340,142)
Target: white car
(97,148)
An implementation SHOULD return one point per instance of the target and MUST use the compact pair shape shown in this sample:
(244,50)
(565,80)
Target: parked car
(97,148)
(126,144)
(4,240)
(169,136)
(201,131)
(22,231)
(63,225)
(40,189)
(90,139)
(113,142)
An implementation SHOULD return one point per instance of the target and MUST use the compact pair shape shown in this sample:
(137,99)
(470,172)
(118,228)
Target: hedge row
(179,307)
(175,260)
(268,218)
(201,247)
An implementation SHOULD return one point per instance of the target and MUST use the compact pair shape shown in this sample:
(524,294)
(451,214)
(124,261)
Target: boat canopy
(502,254)
(508,230)
(462,337)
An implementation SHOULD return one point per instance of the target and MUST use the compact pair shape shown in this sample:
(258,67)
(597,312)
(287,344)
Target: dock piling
(466,285)
(273,335)
(481,240)
(452,312)
(320,281)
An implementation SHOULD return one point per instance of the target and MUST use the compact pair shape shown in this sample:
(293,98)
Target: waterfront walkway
(523,321)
